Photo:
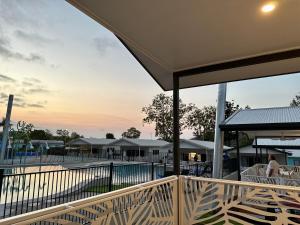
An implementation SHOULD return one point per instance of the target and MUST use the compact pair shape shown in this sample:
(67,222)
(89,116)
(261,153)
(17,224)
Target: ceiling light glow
(269,7)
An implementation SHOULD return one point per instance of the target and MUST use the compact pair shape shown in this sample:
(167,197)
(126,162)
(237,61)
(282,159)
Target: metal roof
(92,141)
(265,119)
(203,42)
(139,142)
(197,144)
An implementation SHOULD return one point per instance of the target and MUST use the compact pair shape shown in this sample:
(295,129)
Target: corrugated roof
(47,141)
(265,118)
(266,115)
(141,142)
(94,141)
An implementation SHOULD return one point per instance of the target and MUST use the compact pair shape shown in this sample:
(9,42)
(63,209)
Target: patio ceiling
(204,42)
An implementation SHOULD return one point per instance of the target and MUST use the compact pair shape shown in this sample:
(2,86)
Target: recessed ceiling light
(269,7)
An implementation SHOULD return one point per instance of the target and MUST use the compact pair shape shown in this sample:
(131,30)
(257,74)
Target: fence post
(152,171)
(197,170)
(165,169)
(111,167)
(1,179)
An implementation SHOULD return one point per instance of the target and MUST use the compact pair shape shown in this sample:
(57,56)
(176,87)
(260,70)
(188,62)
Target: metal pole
(238,155)
(256,153)
(110,183)
(6,127)
(152,171)
(219,135)
(176,132)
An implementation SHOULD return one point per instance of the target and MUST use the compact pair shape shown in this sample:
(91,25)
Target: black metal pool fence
(24,190)
(17,158)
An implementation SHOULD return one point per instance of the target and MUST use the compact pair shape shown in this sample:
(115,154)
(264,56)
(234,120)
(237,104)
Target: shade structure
(265,122)
(204,41)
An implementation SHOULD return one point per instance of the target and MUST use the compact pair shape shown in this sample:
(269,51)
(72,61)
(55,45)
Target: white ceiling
(173,35)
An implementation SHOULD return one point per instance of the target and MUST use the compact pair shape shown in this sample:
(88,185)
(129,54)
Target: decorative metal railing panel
(151,203)
(209,201)
(173,201)
(288,175)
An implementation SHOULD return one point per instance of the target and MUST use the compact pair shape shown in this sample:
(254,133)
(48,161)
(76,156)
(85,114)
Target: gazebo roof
(204,42)
(278,121)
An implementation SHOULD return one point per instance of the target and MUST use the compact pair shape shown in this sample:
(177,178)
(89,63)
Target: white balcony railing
(183,200)
(288,175)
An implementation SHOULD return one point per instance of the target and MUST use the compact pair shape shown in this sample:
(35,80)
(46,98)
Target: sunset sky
(68,72)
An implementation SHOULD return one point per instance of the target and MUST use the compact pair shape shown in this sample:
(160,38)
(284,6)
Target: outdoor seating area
(288,175)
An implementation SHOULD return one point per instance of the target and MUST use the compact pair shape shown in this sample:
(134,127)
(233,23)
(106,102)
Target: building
(99,147)
(189,148)
(250,155)
(141,149)
(47,144)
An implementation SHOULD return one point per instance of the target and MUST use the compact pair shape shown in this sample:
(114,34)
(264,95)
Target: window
(155,152)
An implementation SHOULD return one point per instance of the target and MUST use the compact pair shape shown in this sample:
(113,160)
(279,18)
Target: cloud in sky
(103,44)
(34,38)
(15,12)
(29,92)
(36,90)
(4,78)
(27,84)
(32,79)
(7,53)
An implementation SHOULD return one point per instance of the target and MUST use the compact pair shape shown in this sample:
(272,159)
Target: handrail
(82,203)
(245,184)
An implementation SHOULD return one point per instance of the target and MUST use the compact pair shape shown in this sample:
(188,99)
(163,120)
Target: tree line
(26,132)
(200,120)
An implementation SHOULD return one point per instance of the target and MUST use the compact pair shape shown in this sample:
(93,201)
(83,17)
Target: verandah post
(176,147)
(176,131)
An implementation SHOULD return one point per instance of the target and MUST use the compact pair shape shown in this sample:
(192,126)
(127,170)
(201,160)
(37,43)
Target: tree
(110,136)
(295,101)
(63,134)
(132,132)
(23,131)
(75,135)
(202,121)
(160,112)
(40,135)
(231,108)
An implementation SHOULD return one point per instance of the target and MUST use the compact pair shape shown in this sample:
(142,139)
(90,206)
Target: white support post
(219,136)
(6,128)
